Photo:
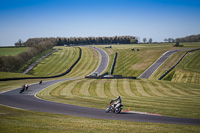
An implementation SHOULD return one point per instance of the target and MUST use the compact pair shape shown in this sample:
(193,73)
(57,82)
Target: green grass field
(12,51)
(186,72)
(167,98)
(131,63)
(179,99)
(12,75)
(88,63)
(56,63)
(171,61)
(21,121)
(134,63)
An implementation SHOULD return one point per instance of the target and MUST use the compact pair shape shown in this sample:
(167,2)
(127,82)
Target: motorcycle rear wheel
(118,110)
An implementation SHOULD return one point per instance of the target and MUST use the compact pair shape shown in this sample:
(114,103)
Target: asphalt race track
(159,62)
(104,61)
(28,101)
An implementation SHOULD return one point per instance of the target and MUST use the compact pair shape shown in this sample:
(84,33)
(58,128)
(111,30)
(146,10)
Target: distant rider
(26,86)
(116,101)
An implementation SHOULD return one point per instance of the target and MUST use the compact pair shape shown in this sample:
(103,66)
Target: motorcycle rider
(26,86)
(116,101)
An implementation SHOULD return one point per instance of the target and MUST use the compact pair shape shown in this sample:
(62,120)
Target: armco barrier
(109,77)
(176,64)
(113,65)
(55,76)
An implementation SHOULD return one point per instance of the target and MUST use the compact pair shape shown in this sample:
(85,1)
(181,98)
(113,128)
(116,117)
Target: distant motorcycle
(23,89)
(115,108)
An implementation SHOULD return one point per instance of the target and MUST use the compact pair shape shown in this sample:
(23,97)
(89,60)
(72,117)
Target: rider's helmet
(118,97)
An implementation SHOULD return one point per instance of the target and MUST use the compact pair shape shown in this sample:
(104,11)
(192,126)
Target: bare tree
(19,43)
(144,40)
(165,40)
(150,40)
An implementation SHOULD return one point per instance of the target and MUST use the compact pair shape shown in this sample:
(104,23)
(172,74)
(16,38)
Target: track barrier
(113,65)
(109,77)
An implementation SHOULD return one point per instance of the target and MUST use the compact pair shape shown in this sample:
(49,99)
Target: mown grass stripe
(160,89)
(85,87)
(95,60)
(127,88)
(92,89)
(107,90)
(141,90)
(167,89)
(147,89)
(121,88)
(76,72)
(182,91)
(114,88)
(153,89)
(100,88)
(134,88)
(175,90)
(57,62)
(67,89)
(83,68)
(48,69)
(76,89)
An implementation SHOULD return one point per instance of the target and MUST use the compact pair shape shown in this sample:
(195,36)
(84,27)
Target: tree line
(84,40)
(191,38)
(14,63)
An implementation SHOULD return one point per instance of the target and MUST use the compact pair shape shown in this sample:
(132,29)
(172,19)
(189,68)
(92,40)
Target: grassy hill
(188,70)
(56,63)
(167,98)
(171,61)
(5,51)
(134,63)
(163,97)
(88,63)
(146,95)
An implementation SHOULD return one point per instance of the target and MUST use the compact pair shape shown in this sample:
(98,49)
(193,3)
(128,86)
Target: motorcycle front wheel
(107,109)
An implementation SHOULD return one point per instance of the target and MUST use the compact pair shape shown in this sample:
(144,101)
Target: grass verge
(21,121)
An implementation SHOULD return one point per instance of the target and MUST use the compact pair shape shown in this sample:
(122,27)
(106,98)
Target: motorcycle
(22,89)
(115,108)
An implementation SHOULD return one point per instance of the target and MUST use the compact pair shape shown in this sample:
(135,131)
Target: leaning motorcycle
(22,89)
(115,108)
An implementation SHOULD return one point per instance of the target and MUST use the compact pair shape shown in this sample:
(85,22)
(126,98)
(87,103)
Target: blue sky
(157,19)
